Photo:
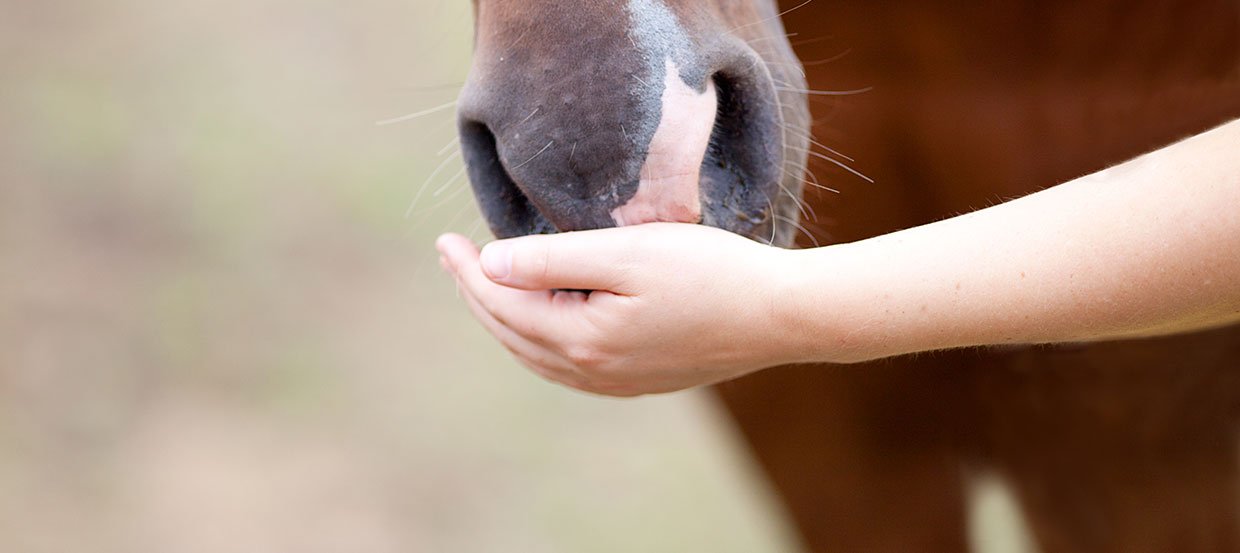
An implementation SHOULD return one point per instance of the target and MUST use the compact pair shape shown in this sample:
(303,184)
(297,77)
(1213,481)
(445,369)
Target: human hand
(673,306)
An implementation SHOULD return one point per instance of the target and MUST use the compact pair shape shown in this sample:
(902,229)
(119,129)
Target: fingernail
(497,260)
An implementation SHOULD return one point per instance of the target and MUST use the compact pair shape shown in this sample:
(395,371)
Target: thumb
(586,260)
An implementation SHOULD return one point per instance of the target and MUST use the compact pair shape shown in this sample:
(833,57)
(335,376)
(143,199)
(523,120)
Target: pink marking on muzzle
(669,190)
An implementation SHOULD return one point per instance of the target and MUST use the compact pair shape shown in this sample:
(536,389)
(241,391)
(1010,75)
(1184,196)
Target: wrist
(820,310)
(867,300)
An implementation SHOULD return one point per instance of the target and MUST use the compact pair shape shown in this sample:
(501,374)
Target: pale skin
(1147,248)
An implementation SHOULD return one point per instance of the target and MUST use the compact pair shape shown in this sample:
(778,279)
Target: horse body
(1125,446)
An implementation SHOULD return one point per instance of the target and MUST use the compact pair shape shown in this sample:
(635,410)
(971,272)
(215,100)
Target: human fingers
(535,357)
(586,260)
(541,361)
(535,315)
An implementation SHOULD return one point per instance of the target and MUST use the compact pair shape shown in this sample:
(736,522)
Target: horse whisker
(434,87)
(771,206)
(443,202)
(800,205)
(836,57)
(814,183)
(473,229)
(821,145)
(530,116)
(452,180)
(798,226)
(454,218)
(777,16)
(422,190)
(842,165)
(418,114)
(826,92)
(455,140)
(540,152)
(812,40)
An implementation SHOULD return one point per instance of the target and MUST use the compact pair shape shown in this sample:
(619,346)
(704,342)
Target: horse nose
(581,153)
(605,124)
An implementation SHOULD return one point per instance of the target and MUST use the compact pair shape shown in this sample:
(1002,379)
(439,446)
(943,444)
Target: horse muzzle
(609,125)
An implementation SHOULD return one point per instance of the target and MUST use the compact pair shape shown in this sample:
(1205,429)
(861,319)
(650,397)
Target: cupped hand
(672,306)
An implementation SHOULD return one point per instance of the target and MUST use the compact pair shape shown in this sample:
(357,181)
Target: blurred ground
(218,331)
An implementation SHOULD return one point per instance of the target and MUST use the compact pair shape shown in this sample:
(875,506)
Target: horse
(582,115)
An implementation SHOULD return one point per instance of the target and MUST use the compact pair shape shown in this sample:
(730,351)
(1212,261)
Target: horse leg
(864,457)
(1121,447)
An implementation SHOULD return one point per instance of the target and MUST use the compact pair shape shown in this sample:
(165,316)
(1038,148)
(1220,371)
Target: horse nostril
(724,112)
(728,138)
(506,208)
(743,165)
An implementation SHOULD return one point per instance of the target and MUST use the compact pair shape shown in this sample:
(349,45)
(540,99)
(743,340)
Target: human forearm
(1148,247)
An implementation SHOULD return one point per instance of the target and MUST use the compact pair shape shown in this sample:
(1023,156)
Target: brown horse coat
(1123,447)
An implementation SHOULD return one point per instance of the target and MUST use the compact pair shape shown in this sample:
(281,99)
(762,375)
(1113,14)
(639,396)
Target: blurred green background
(220,332)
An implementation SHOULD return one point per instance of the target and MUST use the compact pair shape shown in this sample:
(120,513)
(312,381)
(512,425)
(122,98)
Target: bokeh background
(219,330)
